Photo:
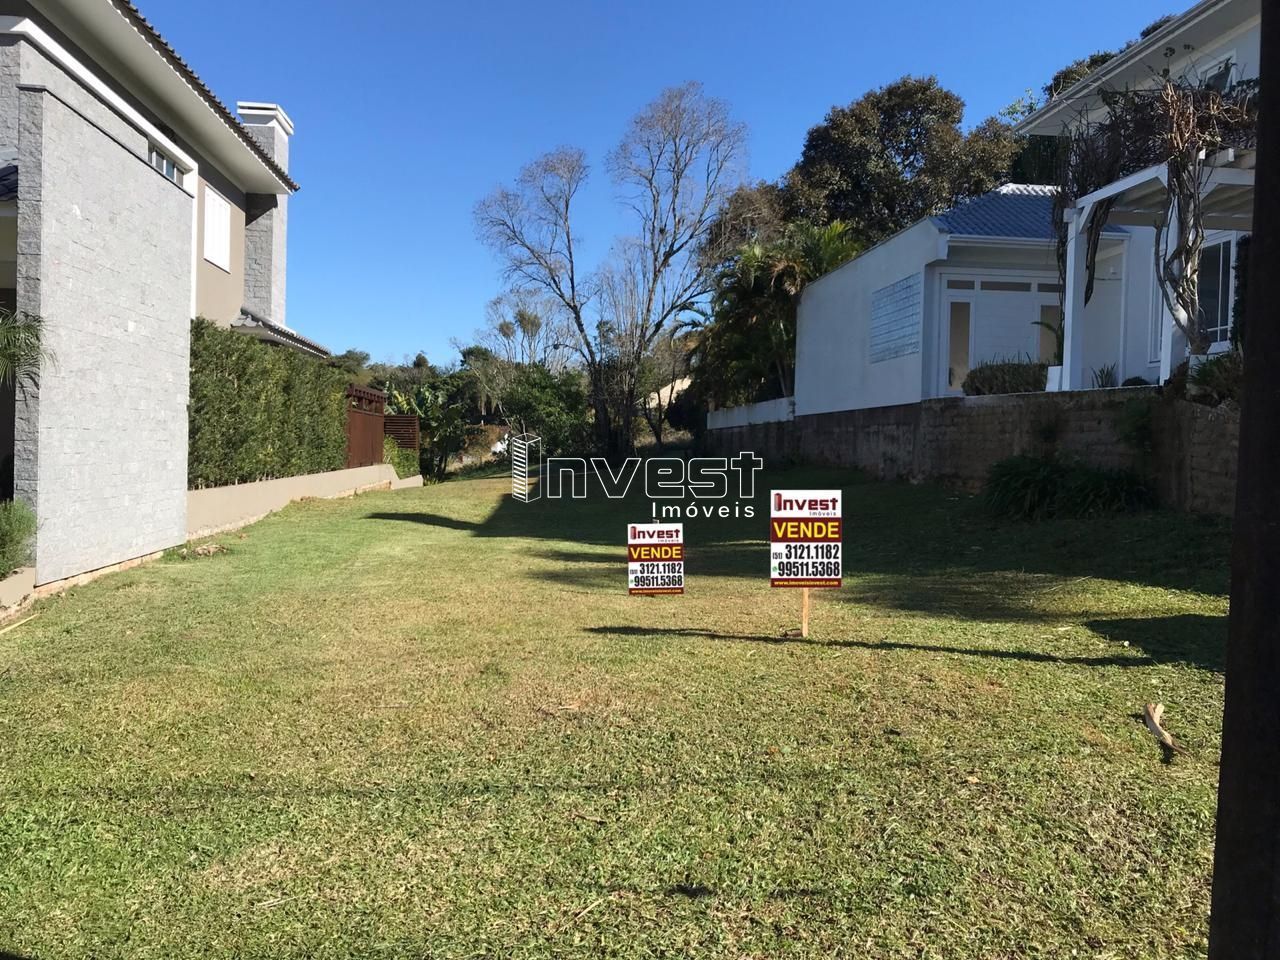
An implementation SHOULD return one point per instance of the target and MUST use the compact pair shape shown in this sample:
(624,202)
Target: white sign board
(805,538)
(655,558)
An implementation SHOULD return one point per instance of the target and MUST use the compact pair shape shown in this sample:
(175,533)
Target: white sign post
(805,543)
(655,558)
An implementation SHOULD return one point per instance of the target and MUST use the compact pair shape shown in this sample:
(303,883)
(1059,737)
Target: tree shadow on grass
(911,549)
(426,519)
(1028,656)
(1191,638)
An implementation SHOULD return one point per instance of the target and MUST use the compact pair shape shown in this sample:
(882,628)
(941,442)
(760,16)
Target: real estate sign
(655,558)
(805,538)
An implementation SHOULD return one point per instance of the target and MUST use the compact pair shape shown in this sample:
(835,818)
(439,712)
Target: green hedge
(404,461)
(259,412)
(1005,376)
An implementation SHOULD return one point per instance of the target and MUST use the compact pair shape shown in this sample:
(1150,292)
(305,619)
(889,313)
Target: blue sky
(407,113)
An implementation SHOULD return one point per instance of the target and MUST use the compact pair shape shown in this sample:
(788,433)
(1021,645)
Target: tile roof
(1016,211)
(165,49)
(264,329)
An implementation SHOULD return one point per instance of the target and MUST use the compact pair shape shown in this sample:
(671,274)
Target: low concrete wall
(767,411)
(17,592)
(1191,462)
(217,509)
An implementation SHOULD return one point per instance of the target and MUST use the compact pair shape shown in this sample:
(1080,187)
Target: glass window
(1219,77)
(1050,322)
(1006,286)
(959,284)
(1215,292)
(163,163)
(958,345)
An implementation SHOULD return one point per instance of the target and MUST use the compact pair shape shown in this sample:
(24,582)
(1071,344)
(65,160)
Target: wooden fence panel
(403,429)
(365,414)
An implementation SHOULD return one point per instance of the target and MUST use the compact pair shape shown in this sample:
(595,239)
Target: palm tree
(21,352)
(758,293)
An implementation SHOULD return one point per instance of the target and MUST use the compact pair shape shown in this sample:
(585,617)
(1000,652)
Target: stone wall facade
(104,256)
(1189,452)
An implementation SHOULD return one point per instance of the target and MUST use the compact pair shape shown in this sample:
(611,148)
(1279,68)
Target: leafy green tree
(1074,72)
(751,214)
(894,156)
(552,405)
(441,406)
(747,352)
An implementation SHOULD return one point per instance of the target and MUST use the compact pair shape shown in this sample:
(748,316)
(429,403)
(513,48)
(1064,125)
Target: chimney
(266,215)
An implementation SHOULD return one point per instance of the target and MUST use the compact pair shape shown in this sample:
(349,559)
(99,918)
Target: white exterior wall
(834,370)
(767,411)
(1143,312)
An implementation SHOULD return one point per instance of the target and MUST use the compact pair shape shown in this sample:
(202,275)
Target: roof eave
(117,31)
(1047,121)
(261,328)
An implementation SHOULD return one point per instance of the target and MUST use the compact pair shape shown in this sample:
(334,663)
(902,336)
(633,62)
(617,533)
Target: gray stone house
(131,200)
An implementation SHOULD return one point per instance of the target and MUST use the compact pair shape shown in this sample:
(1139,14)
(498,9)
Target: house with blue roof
(907,319)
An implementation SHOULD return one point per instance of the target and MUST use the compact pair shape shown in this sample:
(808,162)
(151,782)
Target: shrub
(1217,379)
(1105,377)
(404,461)
(1035,488)
(1242,292)
(259,412)
(1136,382)
(17,527)
(1005,376)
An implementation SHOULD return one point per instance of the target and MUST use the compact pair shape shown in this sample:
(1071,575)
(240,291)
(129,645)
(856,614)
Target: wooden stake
(804,612)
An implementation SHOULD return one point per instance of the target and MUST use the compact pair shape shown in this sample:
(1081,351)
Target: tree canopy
(893,156)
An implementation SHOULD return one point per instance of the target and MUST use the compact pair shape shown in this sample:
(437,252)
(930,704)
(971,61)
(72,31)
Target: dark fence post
(365,413)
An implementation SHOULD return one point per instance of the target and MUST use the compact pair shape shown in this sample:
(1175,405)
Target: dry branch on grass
(1152,714)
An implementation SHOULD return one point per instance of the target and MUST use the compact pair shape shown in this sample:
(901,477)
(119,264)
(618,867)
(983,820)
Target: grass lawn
(432,724)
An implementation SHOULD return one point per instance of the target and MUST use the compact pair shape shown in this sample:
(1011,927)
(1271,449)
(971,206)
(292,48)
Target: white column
(1073,301)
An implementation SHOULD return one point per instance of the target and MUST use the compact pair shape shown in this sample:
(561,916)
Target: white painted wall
(767,411)
(833,336)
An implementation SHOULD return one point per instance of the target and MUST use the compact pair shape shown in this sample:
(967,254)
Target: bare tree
(526,327)
(523,328)
(530,226)
(677,163)
(677,166)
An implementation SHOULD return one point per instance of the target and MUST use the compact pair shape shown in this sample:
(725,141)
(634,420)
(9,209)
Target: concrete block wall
(104,255)
(267,231)
(1192,463)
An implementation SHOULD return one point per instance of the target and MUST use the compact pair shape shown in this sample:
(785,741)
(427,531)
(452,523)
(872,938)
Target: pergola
(1140,200)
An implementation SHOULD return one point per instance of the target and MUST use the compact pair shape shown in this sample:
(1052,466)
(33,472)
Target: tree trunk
(1245,922)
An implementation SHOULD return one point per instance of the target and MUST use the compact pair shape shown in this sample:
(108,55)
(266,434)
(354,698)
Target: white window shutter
(217,229)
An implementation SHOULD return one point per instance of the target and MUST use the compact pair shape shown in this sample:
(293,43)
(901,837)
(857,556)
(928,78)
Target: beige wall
(214,509)
(219,293)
